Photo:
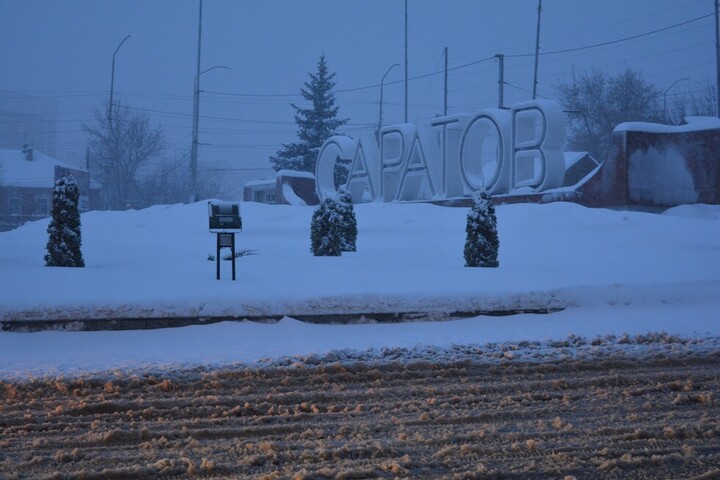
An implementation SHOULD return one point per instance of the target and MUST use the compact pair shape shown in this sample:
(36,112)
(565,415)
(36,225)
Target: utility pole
(717,57)
(446,83)
(537,50)
(111,126)
(501,79)
(196,114)
(406,62)
(382,83)
(112,80)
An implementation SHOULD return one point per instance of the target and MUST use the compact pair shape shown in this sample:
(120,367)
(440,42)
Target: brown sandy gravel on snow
(650,419)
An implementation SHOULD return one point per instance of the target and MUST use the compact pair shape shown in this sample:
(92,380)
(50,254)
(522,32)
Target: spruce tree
(482,242)
(325,236)
(348,227)
(315,124)
(65,240)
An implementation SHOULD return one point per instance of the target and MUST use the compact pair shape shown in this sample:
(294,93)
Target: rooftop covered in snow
(19,168)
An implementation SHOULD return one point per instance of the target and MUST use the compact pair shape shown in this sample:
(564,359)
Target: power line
(356,89)
(632,37)
(227,119)
(347,90)
(599,27)
(482,60)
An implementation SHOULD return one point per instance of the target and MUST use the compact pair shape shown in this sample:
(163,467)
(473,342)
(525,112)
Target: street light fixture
(382,82)
(112,78)
(665,115)
(196,118)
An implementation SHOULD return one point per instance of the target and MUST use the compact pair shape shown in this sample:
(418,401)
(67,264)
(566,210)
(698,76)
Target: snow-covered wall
(663,166)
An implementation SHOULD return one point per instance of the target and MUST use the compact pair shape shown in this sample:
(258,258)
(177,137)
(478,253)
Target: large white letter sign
(538,133)
(364,176)
(502,151)
(337,146)
(449,140)
(393,141)
(485,152)
(406,173)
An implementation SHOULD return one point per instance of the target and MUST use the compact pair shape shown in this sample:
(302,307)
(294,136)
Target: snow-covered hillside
(612,271)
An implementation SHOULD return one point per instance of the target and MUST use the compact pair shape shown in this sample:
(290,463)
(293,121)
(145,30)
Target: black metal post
(232,254)
(217,257)
(537,51)
(225,240)
(717,56)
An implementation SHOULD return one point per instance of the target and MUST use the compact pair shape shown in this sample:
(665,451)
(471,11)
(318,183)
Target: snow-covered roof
(16,171)
(266,182)
(700,124)
(697,119)
(295,173)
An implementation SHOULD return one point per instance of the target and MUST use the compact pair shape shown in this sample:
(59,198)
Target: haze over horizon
(58,55)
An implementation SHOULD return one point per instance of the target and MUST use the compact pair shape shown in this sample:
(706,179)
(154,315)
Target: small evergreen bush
(325,237)
(64,242)
(482,242)
(348,227)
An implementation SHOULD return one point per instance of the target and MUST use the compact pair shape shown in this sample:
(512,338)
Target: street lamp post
(665,115)
(196,120)
(382,83)
(112,78)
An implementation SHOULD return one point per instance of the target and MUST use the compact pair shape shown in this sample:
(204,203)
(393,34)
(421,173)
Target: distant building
(260,191)
(288,187)
(27,178)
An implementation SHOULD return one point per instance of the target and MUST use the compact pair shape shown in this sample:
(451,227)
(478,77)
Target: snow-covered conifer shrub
(65,240)
(348,228)
(325,239)
(482,242)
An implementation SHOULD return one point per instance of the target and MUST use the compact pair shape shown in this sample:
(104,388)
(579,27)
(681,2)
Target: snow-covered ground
(613,272)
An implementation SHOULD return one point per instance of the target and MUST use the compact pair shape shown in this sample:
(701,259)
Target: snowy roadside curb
(149,323)
(573,348)
(605,352)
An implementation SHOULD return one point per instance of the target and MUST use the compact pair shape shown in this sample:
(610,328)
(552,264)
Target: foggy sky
(62,50)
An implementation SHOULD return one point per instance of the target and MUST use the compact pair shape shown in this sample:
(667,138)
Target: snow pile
(613,272)
(703,212)
(154,262)
(523,338)
(291,197)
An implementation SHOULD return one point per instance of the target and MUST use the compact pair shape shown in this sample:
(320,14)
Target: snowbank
(614,272)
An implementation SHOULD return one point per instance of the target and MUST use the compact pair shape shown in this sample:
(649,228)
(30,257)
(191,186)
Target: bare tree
(598,103)
(170,183)
(700,102)
(119,147)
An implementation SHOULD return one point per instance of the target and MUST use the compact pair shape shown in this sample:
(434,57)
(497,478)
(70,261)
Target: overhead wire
(270,98)
(611,42)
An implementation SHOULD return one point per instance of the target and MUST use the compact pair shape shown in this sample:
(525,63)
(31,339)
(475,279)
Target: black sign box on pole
(224,219)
